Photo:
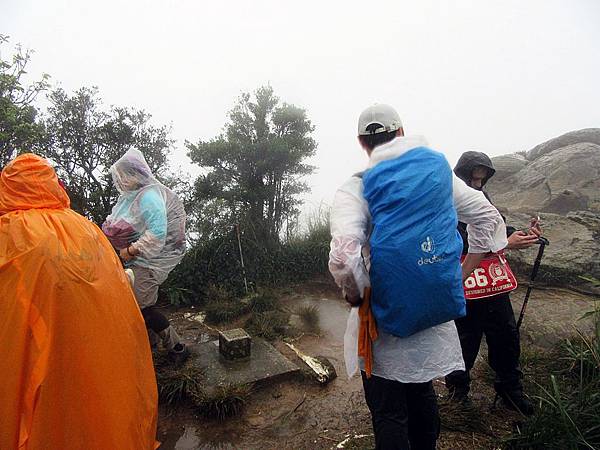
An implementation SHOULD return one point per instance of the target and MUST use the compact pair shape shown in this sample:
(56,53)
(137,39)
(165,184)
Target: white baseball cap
(381,114)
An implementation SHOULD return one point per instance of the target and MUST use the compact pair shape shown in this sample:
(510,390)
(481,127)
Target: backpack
(415,248)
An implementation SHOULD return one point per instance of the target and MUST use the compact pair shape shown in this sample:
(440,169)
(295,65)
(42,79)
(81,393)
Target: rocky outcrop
(560,181)
(573,251)
(590,135)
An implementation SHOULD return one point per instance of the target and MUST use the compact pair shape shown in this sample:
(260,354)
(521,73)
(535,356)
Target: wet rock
(560,179)
(574,248)
(506,165)
(328,366)
(555,178)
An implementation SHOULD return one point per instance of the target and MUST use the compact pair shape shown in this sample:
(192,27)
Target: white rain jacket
(430,353)
(148,216)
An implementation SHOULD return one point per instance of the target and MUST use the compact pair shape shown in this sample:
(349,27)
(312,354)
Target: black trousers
(494,318)
(405,415)
(154,319)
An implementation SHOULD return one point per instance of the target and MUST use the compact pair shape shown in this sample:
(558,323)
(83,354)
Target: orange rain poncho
(75,364)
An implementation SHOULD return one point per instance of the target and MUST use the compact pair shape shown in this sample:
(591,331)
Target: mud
(300,414)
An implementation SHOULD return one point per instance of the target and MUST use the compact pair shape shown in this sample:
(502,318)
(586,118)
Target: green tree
(252,172)
(19,130)
(85,139)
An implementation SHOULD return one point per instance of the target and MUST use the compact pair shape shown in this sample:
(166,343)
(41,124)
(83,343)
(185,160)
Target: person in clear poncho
(147,227)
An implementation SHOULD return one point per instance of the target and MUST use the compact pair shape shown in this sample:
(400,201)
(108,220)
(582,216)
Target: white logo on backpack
(428,246)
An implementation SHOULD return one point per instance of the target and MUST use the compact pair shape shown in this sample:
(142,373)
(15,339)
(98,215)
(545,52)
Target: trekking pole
(237,231)
(542,241)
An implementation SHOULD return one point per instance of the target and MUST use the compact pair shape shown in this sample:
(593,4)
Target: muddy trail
(298,413)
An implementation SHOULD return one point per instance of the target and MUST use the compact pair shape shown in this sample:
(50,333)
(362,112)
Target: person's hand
(534,227)
(351,292)
(521,239)
(470,263)
(127,253)
(353,300)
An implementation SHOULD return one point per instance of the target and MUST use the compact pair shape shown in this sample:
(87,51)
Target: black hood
(468,161)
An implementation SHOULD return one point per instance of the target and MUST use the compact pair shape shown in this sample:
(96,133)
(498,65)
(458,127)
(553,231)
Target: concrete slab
(265,365)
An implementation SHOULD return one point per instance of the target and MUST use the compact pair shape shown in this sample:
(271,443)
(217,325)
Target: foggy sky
(497,76)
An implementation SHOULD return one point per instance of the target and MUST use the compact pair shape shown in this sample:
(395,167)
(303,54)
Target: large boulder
(574,248)
(560,180)
(591,135)
(557,181)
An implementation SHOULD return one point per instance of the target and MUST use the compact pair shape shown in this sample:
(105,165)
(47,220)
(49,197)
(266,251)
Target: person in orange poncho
(75,361)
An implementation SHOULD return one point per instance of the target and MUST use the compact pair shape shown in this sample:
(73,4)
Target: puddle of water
(203,337)
(189,440)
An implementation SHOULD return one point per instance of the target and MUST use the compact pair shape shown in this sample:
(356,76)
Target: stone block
(234,344)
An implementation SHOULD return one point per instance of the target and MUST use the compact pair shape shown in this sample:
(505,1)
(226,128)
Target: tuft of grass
(174,386)
(221,311)
(186,385)
(269,324)
(227,401)
(309,314)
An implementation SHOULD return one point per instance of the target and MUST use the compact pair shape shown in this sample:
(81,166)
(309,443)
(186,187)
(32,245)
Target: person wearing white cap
(394,235)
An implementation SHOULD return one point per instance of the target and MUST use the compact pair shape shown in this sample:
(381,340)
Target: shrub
(569,402)
(262,302)
(217,262)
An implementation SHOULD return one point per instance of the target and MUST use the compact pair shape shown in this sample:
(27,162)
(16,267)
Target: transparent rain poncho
(429,353)
(148,216)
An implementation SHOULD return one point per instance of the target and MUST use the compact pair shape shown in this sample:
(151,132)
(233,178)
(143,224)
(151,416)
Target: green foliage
(222,306)
(221,311)
(175,295)
(568,416)
(85,139)
(264,301)
(252,172)
(174,386)
(594,281)
(217,262)
(269,324)
(20,132)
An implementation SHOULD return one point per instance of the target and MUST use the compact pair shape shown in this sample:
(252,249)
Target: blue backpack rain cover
(415,269)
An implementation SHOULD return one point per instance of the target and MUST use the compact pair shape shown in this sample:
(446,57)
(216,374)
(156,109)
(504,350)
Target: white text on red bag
(493,276)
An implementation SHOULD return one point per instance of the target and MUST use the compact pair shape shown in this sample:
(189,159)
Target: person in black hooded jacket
(490,316)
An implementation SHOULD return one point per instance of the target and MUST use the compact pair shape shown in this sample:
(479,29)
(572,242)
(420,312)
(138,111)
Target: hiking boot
(179,354)
(517,401)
